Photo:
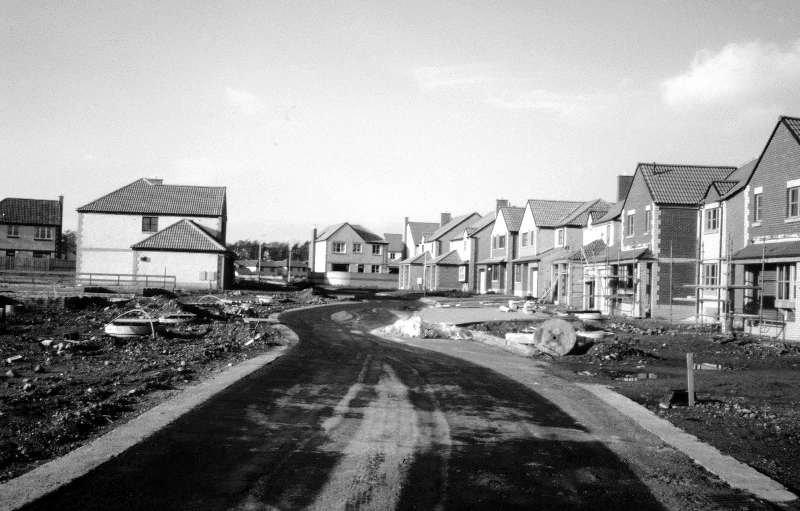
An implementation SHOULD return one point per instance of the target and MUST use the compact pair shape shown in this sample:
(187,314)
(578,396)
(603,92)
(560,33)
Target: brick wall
(779,164)
(638,199)
(678,227)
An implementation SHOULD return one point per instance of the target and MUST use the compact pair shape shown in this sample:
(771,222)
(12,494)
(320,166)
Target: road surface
(347,420)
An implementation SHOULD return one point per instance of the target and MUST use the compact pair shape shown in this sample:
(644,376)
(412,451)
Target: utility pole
(259,260)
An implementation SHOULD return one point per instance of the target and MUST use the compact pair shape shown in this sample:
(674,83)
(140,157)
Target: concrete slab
(458,316)
(735,473)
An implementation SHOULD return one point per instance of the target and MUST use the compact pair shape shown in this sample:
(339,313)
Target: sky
(320,112)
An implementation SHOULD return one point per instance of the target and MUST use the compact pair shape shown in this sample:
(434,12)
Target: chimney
(501,203)
(311,249)
(154,181)
(405,230)
(623,185)
(61,251)
(444,219)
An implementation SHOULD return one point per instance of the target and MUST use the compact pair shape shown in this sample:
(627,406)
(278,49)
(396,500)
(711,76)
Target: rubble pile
(415,327)
(616,350)
(63,380)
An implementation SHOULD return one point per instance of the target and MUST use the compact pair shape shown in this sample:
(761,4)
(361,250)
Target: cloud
(751,73)
(246,102)
(449,77)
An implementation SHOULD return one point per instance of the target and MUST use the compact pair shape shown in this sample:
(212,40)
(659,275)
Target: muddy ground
(748,393)
(57,397)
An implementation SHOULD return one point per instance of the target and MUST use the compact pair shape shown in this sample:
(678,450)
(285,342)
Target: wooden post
(690,377)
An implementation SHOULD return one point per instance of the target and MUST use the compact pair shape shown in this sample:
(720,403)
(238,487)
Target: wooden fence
(36,264)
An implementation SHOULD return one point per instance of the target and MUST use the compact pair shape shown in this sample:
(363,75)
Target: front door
(482,281)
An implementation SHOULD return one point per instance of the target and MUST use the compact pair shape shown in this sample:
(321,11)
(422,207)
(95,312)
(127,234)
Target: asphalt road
(347,420)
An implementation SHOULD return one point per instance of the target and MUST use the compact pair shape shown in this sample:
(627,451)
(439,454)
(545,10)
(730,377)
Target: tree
(277,250)
(300,252)
(69,243)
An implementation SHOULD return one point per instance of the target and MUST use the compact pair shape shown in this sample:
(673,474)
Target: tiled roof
(450,259)
(793,124)
(680,184)
(554,254)
(614,212)
(548,213)
(513,217)
(589,251)
(732,184)
(579,217)
(246,262)
(613,255)
(395,242)
(367,235)
(769,250)
(182,236)
(419,228)
(483,222)
(150,196)
(449,226)
(30,212)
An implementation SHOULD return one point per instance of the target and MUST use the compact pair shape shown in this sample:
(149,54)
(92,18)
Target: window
(560,238)
(462,273)
(786,275)
(10,253)
(517,273)
(13,231)
(149,224)
(629,226)
(608,234)
(376,250)
(711,274)
(43,233)
(712,219)
(758,208)
(339,248)
(524,241)
(41,255)
(376,268)
(392,256)
(356,248)
(360,268)
(340,267)
(793,202)
(648,219)
(501,241)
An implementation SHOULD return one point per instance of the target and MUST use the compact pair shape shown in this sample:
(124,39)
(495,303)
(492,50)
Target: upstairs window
(43,233)
(392,256)
(758,208)
(793,202)
(629,226)
(376,250)
(356,248)
(524,241)
(712,219)
(560,238)
(149,224)
(501,241)
(339,248)
(648,219)
(13,231)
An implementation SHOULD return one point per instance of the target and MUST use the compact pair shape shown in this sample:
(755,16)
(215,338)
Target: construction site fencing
(36,264)
(88,279)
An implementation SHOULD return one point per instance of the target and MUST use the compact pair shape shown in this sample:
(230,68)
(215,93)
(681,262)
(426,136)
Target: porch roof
(781,250)
(492,260)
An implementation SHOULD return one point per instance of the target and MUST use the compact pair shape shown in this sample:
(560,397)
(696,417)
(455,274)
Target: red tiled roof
(395,242)
(548,213)
(513,217)
(614,211)
(579,217)
(680,184)
(184,236)
(793,124)
(449,226)
(150,196)
(367,235)
(30,212)
(448,259)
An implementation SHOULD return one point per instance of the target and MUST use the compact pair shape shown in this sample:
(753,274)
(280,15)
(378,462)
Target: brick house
(767,265)
(351,255)
(652,271)
(148,228)
(30,229)
(498,267)
(537,236)
(720,226)
(412,236)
